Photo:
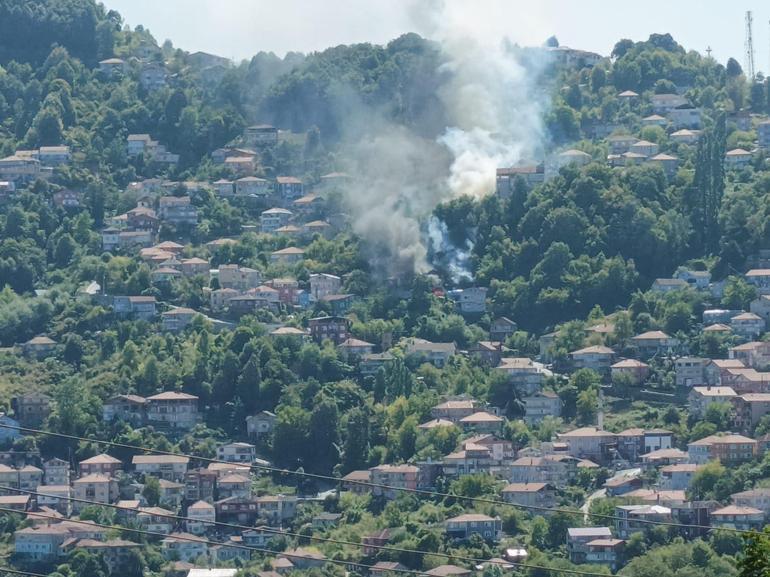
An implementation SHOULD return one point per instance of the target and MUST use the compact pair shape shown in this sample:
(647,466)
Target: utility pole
(749,46)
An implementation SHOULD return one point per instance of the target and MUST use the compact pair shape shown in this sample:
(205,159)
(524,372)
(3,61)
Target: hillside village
(204,371)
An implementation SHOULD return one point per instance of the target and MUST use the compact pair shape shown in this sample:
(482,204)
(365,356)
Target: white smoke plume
(493,119)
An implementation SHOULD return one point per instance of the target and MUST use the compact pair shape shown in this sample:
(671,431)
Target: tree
(705,479)
(323,434)
(151,491)
(755,561)
(356,448)
(587,406)
(738,293)
(733,68)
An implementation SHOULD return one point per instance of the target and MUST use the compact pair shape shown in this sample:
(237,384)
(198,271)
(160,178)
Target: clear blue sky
(239,28)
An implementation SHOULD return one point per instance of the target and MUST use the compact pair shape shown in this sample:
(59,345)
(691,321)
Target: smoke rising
(493,118)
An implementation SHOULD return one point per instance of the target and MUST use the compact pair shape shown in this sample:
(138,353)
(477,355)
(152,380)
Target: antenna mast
(749,46)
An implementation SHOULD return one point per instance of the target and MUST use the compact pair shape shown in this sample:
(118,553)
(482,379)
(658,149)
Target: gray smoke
(493,119)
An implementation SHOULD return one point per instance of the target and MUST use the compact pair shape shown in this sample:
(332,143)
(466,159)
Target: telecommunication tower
(749,46)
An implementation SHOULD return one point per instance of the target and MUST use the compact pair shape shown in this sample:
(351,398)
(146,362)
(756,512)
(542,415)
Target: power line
(422,492)
(194,539)
(17,572)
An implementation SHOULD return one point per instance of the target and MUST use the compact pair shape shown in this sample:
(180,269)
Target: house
(737,517)
(201,517)
(588,443)
(463,526)
(598,358)
(620,143)
(471,300)
(289,255)
(665,103)
(487,352)
(644,148)
(691,371)
(140,307)
(666,285)
(667,162)
(177,210)
(289,188)
(224,187)
(454,410)
(607,552)
(385,568)
(155,519)
(177,319)
(388,479)
(95,488)
(171,493)
(578,539)
(653,343)
(53,155)
(747,325)
(677,477)
(32,409)
(532,175)
(260,135)
(101,464)
(309,204)
(237,453)
(482,422)
(685,136)
(501,328)
(194,266)
(737,158)
(111,66)
(9,429)
(232,276)
(749,408)
(534,495)
(635,371)
(44,543)
(200,484)
(19,170)
(763,134)
(129,408)
(250,185)
(67,198)
(339,303)
(524,374)
(353,348)
(39,347)
(755,355)
(176,410)
(662,457)
(57,497)
(184,547)
(260,424)
(448,571)
(234,485)
(437,354)
(56,472)
(325,521)
(729,448)
(152,76)
(323,285)
(633,443)
(471,459)
(685,116)
(556,470)
(169,467)
(637,518)
(164,275)
(700,398)
(540,405)
(761,307)
(757,498)
(333,328)
(272,219)
(372,543)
